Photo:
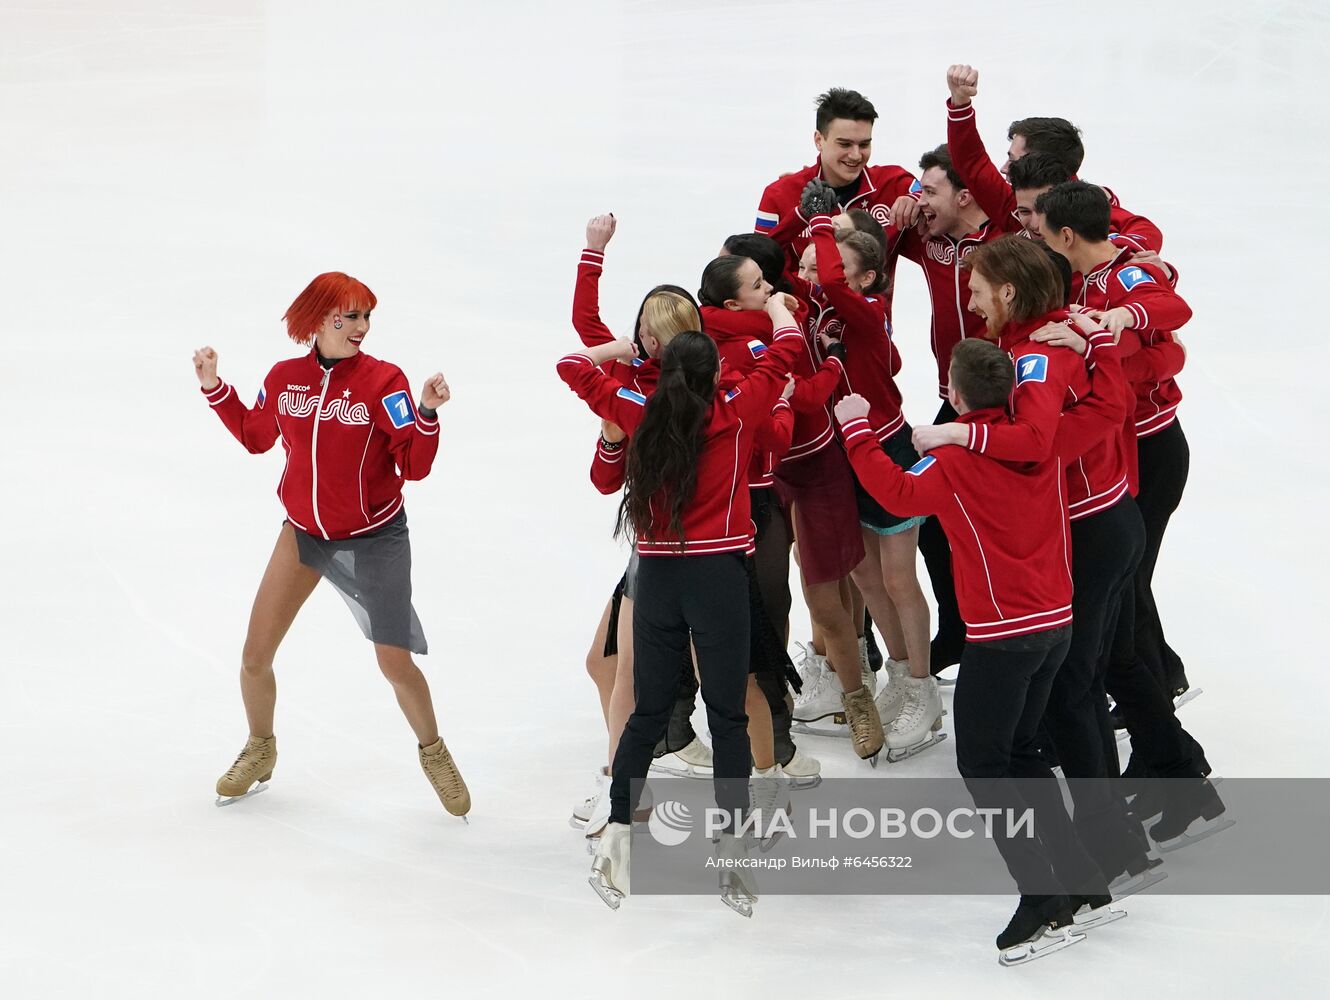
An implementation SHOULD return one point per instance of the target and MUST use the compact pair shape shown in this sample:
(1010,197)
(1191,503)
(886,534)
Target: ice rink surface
(175,173)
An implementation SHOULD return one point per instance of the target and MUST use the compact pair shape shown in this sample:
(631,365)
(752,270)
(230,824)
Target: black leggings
(707,597)
(1164,460)
(950,637)
(1000,697)
(1106,548)
(770,567)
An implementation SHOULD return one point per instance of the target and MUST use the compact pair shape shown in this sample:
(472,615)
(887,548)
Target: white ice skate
(891,697)
(919,724)
(738,889)
(1191,694)
(600,814)
(865,670)
(610,865)
(820,702)
(803,770)
(693,761)
(768,793)
(584,810)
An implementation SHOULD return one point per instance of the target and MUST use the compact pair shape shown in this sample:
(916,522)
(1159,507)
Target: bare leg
(412,691)
(829,613)
(623,697)
(762,742)
(600,667)
(901,579)
(286,585)
(868,577)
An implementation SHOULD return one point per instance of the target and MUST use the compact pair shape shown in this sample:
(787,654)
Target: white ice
(173,174)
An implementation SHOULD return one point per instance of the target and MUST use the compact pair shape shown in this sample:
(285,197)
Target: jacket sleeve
(1100,414)
(586,300)
(607,397)
(607,467)
(985,181)
(812,393)
(413,438)
(1163,359)
(754,397)
(777,434)
(781,223)
(1153,303)
(865,327)
(255,428)
(1036,408)
(921,490)
(1137,230)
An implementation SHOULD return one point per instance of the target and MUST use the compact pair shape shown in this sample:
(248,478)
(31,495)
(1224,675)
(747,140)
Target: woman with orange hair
(351,436)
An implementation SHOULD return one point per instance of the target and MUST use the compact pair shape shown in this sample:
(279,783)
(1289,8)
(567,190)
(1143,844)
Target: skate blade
(230,800)
(1122,736)
(1049,940)
(609,895)
(1187,837)
(1191,694)
(683,770)
(796,783)
(896,756)
(1093,919)
(737,898)
(1128,885)
(841,731)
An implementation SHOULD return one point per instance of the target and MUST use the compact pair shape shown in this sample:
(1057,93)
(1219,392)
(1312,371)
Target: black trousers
(1000,697)
(933,545)
(1164,461)
(707,597)
(770,567)
(1106,548)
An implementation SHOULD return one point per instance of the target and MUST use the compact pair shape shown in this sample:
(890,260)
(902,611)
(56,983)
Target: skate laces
(248,757)
(441,766)
(912,712)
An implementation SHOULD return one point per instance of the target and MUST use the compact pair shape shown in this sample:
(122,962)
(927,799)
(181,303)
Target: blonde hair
(665,315)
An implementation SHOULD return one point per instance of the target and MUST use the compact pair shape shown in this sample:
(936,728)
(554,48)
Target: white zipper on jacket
(314,452)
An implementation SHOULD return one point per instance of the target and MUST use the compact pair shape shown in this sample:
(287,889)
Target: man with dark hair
(1010,204)
(1012,553)
(844,139)
(1057,137)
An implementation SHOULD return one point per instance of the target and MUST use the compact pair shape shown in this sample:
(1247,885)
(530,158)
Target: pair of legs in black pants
(771,614)
(678,596)
(949,639)
(1000,697)
(1164,460)
(1106,548)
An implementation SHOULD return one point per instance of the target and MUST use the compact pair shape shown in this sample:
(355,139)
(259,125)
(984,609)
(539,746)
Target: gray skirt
(373,575)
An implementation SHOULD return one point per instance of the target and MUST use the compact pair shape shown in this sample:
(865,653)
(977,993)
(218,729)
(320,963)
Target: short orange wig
(330,292)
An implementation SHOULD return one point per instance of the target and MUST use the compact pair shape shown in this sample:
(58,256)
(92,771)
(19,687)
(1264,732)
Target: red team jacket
(1007,525)
(1065,405)
(871,359)
(779,215)
(719,517)
(351,434)
(995,196)
(1150,356)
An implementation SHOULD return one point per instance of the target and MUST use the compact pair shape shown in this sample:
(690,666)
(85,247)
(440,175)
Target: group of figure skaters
(760,422)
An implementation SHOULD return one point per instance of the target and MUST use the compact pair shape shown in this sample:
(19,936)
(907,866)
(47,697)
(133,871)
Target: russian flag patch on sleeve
(632,397)
(258,403)
(399,409)
(1130,277)
(921,466)
(757,348)
(766,220)
(1031,368)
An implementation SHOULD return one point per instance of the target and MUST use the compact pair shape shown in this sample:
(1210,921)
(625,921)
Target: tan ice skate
(865,724)
(442,772)
(254,765)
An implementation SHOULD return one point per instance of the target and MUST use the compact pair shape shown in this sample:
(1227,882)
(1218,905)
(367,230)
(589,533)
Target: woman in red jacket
(351,436)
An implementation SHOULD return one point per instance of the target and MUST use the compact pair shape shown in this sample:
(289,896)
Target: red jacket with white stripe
(718,517)
(351,434)
(995,196)
(780,217)
(871,359)
(1066,406)
(948,288)
(1007,525)
(1151,357)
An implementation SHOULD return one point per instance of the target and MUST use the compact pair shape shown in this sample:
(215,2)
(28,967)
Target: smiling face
(342,332)
(940,203)
(808,264)
(752,291)
(843,149)
(855,275)
(1015,151)
(990,302)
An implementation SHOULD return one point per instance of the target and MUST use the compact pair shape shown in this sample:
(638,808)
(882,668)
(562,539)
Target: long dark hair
(765,252)
(720,280)
(663,453)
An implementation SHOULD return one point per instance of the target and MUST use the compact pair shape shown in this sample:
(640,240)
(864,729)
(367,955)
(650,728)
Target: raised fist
(963,82)
(599,231)
(205,367)
(819,198)
(905,212)
(435,393)
(852,407)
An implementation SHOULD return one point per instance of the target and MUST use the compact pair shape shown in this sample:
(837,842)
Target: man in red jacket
(844,140)
(1010,543)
